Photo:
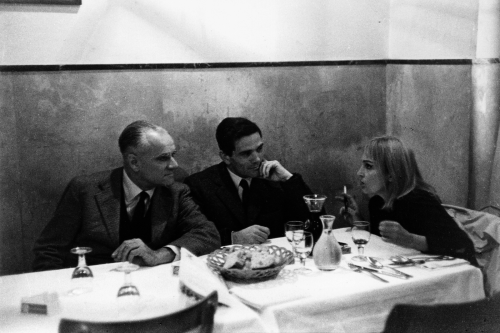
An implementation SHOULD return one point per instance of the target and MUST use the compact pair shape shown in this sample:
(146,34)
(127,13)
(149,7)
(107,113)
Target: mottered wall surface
(315,121)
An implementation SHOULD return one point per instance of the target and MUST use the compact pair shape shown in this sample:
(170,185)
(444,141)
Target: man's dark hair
(133,134)
(232,129)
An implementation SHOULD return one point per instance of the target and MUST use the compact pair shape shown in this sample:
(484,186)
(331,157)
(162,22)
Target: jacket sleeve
(295,188)
(197,233)
(199,196)
(443,235)
(52,247)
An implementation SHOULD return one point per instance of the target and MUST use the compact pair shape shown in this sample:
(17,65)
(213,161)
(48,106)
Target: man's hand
(393,232)
(134,250)
(273,170)
(255,234)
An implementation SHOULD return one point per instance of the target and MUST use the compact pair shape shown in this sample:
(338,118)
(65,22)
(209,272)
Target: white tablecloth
(346,301)
(337,301)
(159,289)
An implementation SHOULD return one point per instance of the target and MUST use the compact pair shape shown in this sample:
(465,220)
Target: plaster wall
(315,120)
(429,107)
(63,124)
(201,31)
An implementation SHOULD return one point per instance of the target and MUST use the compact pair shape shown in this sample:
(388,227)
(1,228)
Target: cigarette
(345,189)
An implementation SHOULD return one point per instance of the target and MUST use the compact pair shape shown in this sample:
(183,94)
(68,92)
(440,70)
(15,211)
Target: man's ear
(224,157)
(132,161)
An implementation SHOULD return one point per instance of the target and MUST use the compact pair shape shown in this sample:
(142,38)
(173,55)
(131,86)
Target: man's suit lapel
(108,200)
(228,194)
(161,204)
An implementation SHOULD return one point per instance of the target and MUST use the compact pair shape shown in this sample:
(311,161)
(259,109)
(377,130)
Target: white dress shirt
(132,193)
(236,180)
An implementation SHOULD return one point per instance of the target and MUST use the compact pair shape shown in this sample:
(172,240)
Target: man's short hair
(232,129)
(133,134)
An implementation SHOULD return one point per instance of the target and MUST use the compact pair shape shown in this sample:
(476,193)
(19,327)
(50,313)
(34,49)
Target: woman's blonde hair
(398,166)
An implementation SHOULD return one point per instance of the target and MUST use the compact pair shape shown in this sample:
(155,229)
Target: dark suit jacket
(271,203)
(89,215)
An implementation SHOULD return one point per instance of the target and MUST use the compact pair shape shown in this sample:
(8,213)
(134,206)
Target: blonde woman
(403,208)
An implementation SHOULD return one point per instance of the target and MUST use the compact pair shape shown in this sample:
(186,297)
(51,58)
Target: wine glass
(81,279)
(128,288)
(294,229)
(303,247)
(360,236)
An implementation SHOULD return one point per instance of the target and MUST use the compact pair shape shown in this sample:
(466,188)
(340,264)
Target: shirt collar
(237,179)
(131,190)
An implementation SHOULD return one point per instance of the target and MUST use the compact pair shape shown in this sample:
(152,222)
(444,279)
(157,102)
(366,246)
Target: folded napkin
(195,275)
(444,263)
(262,295)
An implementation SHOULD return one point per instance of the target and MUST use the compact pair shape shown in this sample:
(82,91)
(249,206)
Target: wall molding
(56,68)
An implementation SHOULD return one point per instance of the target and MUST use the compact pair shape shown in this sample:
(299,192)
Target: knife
(381,271)
(360,270)
(400,273)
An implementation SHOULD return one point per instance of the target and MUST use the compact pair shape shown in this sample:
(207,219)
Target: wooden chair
(197,318)
(480,316)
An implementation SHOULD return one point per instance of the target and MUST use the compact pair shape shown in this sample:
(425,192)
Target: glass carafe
(327,252)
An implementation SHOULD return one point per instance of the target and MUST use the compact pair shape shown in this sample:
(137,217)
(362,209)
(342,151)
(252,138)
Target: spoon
(402,260)
(377,264)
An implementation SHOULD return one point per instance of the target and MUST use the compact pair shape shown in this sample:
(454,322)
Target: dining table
(340,300)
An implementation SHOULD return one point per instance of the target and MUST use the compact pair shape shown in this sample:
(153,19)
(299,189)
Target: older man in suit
(248,198)
(137,213)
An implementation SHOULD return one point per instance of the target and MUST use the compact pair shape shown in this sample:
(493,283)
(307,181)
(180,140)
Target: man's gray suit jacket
(89,215)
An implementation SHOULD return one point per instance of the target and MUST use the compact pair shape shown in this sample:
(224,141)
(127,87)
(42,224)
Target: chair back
(480,316)
(197,318)
(484,231)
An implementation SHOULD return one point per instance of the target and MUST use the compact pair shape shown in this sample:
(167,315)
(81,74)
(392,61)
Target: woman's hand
(352,207)
(393,232)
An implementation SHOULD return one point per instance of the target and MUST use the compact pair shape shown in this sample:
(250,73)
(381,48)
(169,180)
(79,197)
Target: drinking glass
(360,236)
(128,288)
(294,229)
(303,247)
(81,279)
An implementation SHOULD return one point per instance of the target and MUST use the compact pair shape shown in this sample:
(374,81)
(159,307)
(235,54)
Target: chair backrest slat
(198,318)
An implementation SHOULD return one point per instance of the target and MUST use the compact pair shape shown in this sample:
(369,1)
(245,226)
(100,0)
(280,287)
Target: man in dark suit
(137,213)
(248,198)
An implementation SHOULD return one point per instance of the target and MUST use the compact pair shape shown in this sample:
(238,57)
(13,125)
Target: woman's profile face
(371,180)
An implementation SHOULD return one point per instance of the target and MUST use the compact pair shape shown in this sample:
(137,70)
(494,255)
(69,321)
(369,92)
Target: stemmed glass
(360,236)
(315,204)
(303,247)
(81,279)
(294,231)
(128,288)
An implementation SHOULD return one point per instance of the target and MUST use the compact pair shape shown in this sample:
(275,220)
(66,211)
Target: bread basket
(217,259)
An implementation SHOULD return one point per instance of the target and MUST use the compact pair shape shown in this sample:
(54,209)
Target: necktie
(245,193)
(138,225)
